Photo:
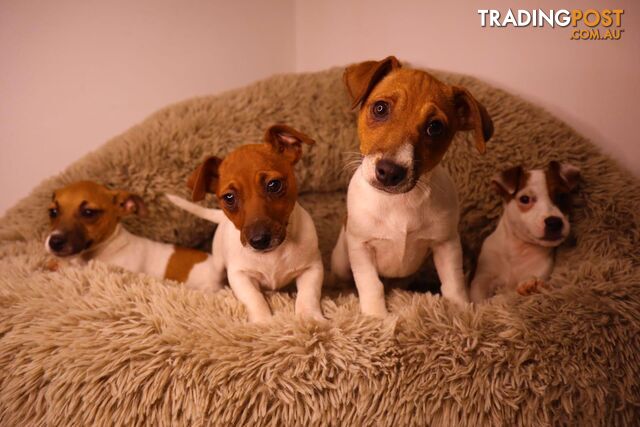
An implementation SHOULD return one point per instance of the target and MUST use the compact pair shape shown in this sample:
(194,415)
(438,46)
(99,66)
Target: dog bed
(102,346)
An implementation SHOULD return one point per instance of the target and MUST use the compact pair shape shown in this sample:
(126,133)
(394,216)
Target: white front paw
(259,317)
(377,309)
(459,300)
(311,314)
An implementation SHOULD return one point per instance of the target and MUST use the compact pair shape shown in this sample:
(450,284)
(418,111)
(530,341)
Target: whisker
(353,159)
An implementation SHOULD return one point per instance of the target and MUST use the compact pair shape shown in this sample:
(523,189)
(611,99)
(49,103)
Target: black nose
(553,224)
(390,174)
(260,241)
(57,242)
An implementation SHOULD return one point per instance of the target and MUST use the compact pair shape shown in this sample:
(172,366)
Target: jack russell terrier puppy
(85,226)
(401,203)
(264,239)
(519,254)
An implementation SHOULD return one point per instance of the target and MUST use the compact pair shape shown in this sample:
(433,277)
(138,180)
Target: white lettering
(483,16)
(509,19)
(521,21)
(494,15)
(563,17)
(542,16)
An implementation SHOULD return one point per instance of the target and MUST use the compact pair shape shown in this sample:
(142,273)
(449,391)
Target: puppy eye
(435,128)
(380,109)
(229,199)
(89,213)
(524,200)
(53,213)
(274,186)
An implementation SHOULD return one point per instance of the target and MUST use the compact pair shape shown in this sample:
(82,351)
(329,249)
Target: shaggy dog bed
(101,346)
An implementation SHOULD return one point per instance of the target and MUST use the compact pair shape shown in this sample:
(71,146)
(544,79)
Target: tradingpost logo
(587,24)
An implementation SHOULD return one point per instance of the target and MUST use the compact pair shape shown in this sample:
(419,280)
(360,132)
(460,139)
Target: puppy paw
(52,264)
(458,301)
(531,286)
(260,317)
(379,312)
(314,315)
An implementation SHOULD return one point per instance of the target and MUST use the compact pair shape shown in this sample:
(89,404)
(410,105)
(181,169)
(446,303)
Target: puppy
(264,239)
(519,254)
(85,226)
(401,203)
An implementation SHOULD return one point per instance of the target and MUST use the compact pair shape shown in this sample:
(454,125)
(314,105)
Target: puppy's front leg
(309,285)
(340,268)
(482,287)
(365,274)
(447,257)
(248,292)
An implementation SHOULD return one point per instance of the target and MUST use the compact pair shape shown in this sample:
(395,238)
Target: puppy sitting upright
(85,226)
(265,238)
(518,255)
(401,203)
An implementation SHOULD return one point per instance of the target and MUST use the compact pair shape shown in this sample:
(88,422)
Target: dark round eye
(524,200)
(229,199)
(274,186)
(88,213)
(53,213)
(435,128)
(380,109)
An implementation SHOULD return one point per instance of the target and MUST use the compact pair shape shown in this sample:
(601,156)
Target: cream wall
(592,85)
(75,73)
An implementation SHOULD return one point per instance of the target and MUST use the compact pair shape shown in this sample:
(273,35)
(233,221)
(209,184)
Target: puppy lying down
(85,226)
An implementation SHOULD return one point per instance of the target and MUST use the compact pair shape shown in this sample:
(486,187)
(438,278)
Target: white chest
(275,269)
(399,228)
(400,241)
(522,268)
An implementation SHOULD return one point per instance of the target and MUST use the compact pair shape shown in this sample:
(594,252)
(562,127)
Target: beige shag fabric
(101,346)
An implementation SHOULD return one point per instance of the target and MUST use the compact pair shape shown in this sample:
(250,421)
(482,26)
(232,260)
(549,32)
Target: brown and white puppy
(85,226)
(519,254)
(401,203)
(264,239)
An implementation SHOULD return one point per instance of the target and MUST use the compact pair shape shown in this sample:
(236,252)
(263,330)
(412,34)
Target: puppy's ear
(130,204)
(360,79)
(507,183)
(287,141)
(473,116)
(568,174)
(204,179)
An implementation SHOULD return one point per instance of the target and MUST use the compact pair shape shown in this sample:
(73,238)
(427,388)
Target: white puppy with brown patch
(519,254)
(265,240)
(401,203)
(85,227)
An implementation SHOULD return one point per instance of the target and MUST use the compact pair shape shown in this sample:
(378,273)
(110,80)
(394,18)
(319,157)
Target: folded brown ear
(360,79)
(568,173)
(473,116)
(204,179)
(509,181)
(130,204)
(287,141)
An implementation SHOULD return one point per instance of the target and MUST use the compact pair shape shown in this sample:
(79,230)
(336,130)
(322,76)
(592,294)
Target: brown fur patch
(245,173)
(415,99)
(510,181)
(181,263)
(559,191)
(108,206)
